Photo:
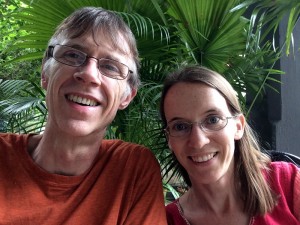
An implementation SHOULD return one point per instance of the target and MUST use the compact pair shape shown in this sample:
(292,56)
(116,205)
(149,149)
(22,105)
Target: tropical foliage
(233,37)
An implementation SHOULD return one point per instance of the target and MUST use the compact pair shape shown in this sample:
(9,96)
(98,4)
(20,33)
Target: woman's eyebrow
(214,110)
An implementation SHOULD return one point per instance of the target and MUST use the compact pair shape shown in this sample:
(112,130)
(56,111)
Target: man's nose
(89,72)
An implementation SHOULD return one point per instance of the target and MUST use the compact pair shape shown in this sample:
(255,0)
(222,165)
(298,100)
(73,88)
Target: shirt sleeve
(297,195)
(286,183)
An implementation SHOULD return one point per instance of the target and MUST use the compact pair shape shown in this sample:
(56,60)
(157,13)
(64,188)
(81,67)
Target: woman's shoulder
(283,169)
(283,177)
(174,214)
(171,207)
(282,172)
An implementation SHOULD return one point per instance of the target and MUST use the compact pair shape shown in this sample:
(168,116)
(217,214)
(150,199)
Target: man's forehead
(90,40)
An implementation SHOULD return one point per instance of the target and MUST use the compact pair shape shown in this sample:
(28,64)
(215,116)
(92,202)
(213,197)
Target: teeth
(203,158)
(83,101)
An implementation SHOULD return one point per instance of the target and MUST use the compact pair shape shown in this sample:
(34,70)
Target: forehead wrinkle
(116,42)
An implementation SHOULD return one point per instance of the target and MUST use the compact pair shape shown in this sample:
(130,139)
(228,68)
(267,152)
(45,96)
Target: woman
(230,180)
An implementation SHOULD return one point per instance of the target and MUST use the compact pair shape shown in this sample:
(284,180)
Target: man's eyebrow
(86,50)
(76,46)
(177,118)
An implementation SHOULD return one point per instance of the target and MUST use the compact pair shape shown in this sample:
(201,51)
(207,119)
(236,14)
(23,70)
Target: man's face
(81,100)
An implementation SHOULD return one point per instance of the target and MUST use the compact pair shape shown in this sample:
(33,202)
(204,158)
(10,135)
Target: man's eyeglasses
(74,57)
(180,128)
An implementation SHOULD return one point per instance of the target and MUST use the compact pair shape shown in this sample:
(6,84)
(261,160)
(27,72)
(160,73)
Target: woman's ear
(240,126)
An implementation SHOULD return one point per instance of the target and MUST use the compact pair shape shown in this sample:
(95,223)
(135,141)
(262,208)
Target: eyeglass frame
(50,53)
(200,125)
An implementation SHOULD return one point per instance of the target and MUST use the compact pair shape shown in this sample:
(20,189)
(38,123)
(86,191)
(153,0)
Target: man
(70,174)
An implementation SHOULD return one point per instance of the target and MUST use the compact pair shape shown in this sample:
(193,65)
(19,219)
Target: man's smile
(82,100)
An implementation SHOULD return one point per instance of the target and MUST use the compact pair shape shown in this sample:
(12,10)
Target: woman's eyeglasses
(181,128)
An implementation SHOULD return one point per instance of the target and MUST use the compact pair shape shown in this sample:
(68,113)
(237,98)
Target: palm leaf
(207,28)
(22,106)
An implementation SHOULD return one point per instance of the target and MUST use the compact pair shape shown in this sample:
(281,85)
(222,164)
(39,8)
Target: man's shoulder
(11,138)
(122,145)
(10,142)
(123,148)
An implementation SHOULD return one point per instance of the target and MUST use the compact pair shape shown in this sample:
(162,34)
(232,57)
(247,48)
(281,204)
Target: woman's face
(206,155)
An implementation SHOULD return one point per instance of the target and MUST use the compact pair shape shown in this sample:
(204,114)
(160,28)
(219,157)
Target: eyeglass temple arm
(49,52)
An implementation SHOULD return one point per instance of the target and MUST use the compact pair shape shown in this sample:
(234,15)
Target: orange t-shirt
(122,187)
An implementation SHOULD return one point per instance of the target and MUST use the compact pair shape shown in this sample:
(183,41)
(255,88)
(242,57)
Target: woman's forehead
(195,96)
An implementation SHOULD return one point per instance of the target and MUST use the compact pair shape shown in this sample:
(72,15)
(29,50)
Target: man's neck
(63,155)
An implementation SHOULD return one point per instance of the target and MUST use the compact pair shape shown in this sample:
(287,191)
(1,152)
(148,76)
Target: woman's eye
(212,120)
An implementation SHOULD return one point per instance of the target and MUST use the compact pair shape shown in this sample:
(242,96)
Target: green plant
(23,106)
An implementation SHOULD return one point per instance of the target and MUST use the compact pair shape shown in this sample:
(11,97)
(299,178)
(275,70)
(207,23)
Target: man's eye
(108,66)
(72,55)
(180,126)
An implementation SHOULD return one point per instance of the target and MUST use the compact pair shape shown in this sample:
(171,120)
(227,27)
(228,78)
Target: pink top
(284,179)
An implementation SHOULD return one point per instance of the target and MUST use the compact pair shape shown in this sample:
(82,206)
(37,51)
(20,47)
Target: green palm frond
(170,189)
(207,28)
(42,17)
(22,106)
(271,13)
(142,114)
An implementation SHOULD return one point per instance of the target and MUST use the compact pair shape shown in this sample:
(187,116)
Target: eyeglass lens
(182,128)
(74,57)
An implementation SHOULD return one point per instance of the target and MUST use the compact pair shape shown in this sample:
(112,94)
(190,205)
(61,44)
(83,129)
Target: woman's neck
(215,204)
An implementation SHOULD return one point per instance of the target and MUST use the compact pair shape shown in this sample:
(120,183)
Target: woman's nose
(197,138)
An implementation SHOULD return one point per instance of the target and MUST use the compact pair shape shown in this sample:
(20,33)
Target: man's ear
(240,125)
(44,80)
(127,98)
(44,77)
